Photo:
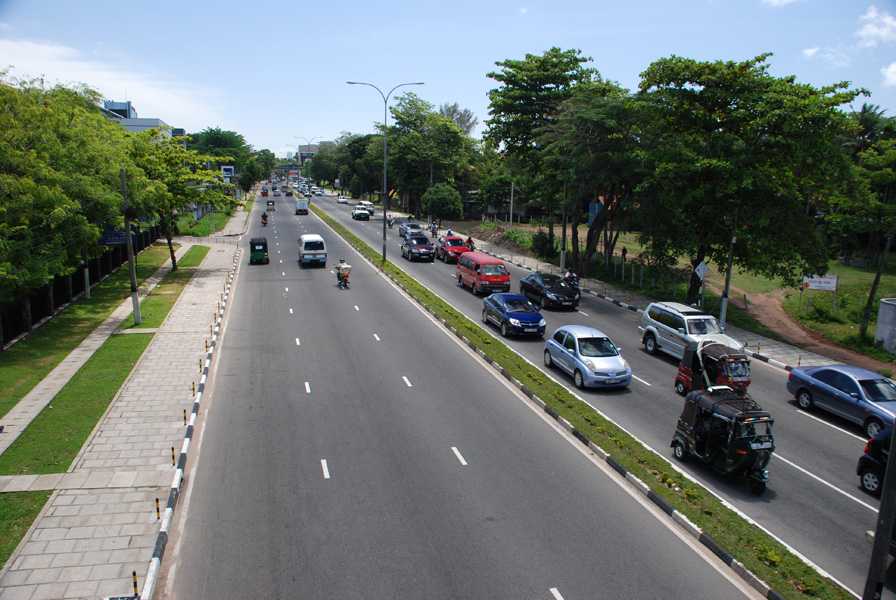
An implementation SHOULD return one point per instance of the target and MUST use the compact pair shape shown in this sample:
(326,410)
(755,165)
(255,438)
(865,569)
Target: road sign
(114,237)
(827,283)
(701,269)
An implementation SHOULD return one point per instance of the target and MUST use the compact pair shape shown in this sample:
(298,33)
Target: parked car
(482,273)
(450,247)
(312,250)
(545,289)
(513,314)
(589,356)
(409,227)
(669,327)
(416,247)
(873,463)
(863,397)
(360,214)
(341,200)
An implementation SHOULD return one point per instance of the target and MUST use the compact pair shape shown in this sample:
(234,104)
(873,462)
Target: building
(125,115)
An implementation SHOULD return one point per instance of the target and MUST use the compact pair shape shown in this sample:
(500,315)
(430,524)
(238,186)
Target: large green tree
(737,154)
(442,201)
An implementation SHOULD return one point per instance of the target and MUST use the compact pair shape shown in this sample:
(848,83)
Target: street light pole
(132,267)
(299,149)
(385,98)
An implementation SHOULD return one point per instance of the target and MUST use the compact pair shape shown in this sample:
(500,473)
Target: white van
(301,206)
(312,250)
(368,206)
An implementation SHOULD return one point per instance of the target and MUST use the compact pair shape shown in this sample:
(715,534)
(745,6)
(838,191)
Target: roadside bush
(519,238)
(544,245)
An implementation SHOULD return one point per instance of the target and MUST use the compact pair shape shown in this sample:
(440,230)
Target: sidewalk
(100,524)
(762,348)
(20,416)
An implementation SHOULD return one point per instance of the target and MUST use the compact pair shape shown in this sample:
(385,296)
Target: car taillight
(867,447)
(790,376)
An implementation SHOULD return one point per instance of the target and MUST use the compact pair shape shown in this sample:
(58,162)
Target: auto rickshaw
(727,431)
(710,363)
(258,251)
(271,206)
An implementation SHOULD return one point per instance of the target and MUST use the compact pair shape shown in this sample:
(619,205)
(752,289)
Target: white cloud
(836,56)
(810,52)
(777,3)
(524,10)
(889,73)
(178,104)
(877,27)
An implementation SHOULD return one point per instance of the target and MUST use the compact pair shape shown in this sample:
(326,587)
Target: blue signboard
(113,237)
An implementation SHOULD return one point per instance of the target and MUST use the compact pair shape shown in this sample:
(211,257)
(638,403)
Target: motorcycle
(342,279)
(264,220)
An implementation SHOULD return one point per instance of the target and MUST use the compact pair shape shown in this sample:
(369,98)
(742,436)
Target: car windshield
(550,280)
(418,241)
(314,245)
(413,226)
(494,270)
(703,325)
(879,390)
(739,369)
(597,347)
(519,305)
(454,242)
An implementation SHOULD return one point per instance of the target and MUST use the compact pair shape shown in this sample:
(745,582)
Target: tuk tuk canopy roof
(718,351)
(726,404)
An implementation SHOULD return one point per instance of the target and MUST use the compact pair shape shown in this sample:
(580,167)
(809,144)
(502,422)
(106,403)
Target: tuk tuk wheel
(650,344)
(680,389)
(870,481)
(678,451)
(757,487)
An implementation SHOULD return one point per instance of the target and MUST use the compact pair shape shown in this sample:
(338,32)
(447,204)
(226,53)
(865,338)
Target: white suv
(670,327)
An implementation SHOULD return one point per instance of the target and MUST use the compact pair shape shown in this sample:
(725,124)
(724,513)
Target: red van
(482,273)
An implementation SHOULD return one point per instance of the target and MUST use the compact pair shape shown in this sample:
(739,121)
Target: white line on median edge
(307,388)
(556,594)
(298,343)
(823,482)
(642,381)
(376,337)
(324,468)
(459,456)
(406,381)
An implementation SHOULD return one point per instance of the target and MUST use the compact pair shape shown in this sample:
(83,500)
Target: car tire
(870,481)
(578,379)
(804,399)
(504,332)
(484,317)
(650,344)
(548,361)
(872,427)
(679,452)
(460,282)
(680,389)
(757,488)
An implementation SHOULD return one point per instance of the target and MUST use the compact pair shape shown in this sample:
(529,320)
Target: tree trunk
(26,313)
(694,284)
(866,314)
(51,300)
(68,288)
(2,338)
(574,234)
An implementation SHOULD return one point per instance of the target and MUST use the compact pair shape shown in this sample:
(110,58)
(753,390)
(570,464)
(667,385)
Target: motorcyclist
(434,229)
(571,278)
(264,218)
(343,270)
(469,242)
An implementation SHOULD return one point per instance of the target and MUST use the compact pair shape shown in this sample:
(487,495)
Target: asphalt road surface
(812,502)
(353,449)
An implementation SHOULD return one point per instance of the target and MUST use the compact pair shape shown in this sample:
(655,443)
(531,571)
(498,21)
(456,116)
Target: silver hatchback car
(669,327)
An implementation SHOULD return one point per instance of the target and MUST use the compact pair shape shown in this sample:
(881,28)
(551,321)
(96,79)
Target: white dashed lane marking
(324,468)
(556,594)
(376,337)
(356,307)
(407,382)
(307,388)
(298,342)
(641,380)
(290,311)
(459,456)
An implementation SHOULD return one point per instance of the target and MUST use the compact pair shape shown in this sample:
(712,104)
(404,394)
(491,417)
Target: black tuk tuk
(258,251)
(710,363)
(271,206)
(728,431)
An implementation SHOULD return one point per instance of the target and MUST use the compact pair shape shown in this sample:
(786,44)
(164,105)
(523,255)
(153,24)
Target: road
(354,449)
(812,503)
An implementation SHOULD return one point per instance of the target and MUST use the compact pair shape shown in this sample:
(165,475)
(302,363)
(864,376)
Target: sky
(275,70)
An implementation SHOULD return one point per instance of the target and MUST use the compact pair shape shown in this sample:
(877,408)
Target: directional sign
(700,270)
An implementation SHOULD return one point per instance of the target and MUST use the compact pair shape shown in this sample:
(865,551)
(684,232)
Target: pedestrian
(624,253)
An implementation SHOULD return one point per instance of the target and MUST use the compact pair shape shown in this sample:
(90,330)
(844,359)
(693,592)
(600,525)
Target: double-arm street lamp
(299,150)
(385,147)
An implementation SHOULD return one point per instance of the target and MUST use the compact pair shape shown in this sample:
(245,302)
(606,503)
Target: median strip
(784,574)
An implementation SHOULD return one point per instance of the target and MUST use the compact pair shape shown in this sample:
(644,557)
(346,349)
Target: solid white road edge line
(724,570)
(407,382)
(307,388)
(692,477)
(823,482)
(459,456)
(832,426)
(324,468)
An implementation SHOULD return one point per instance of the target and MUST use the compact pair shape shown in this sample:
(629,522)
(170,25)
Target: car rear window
(314,245)
(597,347)
(879,390)
(454,242)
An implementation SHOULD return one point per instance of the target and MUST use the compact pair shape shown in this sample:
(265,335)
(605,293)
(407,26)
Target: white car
(368,206)
(341,200)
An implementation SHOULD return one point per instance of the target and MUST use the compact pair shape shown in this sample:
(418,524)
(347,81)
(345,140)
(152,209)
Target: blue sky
(274,70)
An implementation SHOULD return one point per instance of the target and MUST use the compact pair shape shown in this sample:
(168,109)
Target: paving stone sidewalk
(92,535)
(20,416)
(777,351)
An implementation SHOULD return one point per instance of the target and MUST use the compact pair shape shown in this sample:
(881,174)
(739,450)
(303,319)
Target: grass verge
(759,552)
(155,307)
(52,440)
(207,225)
(17,511)
(31,359)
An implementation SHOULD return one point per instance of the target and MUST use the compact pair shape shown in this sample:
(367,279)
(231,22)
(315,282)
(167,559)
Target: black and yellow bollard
(136,591)
(206,345)
(194,388)
(185,417)
(200,365)
(158,512)
(173,462)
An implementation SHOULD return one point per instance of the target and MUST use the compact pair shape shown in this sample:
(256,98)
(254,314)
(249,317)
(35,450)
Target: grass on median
(17,511)
(31,359)
(210,223)
(155,307)
(759,552)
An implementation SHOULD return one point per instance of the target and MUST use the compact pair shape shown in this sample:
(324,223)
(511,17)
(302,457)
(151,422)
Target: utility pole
(132,265)
(511,203)
(723,310)
(874,585)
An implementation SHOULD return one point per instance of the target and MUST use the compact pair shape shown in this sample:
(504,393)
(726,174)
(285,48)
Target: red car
(450,247)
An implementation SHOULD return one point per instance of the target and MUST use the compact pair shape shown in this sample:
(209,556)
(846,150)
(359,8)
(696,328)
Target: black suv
(873,463)
(417,247)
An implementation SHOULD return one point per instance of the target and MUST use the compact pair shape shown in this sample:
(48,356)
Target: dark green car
(258,251)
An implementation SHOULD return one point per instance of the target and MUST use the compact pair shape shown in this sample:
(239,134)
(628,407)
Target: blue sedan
(513,314)
(589,356)
(864,397)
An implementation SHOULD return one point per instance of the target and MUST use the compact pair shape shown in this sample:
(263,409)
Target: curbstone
(640,485)
(598,450)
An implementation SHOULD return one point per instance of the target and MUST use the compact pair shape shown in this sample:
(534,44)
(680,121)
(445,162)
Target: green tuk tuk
(258,251)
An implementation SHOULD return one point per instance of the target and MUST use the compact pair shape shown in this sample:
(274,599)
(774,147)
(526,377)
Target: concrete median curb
(158,553)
